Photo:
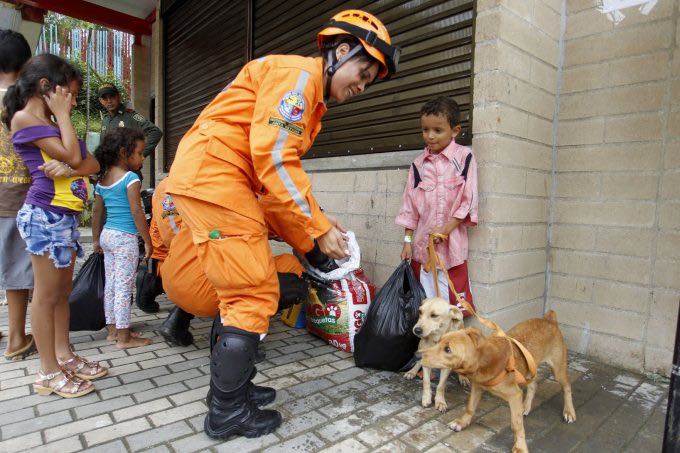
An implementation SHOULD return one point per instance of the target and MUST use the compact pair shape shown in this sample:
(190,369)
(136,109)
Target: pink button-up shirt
(446,189)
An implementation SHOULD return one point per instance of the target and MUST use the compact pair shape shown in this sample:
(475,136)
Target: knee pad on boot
(232,360)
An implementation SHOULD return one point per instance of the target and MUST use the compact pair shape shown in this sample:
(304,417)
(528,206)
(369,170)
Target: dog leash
(434,263)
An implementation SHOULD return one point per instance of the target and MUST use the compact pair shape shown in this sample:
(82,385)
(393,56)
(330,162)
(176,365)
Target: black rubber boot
(259,395)
(230,410)
(175,328)
(149,286)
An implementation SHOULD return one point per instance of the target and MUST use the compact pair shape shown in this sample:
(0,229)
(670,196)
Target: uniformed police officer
(119,116)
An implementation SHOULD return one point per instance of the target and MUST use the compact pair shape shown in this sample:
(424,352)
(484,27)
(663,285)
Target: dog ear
(456,313)
(475,335)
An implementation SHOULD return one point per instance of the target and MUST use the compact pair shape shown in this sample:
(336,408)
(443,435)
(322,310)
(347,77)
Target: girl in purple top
(46,88)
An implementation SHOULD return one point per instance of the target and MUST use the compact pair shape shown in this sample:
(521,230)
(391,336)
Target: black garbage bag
(386,340)
(86,301)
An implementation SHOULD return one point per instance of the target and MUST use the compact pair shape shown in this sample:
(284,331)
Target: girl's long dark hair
(45,66)
(108,152)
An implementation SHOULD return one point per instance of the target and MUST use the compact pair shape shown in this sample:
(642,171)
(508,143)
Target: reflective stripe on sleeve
(277,157)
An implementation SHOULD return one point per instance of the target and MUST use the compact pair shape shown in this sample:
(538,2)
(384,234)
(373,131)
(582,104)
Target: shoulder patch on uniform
(168,207)
(138,117)
(285,125)
(292,106)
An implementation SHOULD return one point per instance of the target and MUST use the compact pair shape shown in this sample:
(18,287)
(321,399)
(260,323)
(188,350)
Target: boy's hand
(59,102)
(407,251)
(440,230)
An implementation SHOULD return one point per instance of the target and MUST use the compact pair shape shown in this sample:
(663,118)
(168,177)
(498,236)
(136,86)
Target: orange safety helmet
(370,32)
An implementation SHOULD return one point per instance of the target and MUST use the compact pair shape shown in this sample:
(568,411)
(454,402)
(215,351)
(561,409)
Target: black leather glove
(292,289)
(320,260)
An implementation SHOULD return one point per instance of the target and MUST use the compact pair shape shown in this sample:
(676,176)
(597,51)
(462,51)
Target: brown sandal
(43,385)
(76,364)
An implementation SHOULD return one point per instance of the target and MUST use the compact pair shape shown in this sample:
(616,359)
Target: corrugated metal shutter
(205,46)
(436,37)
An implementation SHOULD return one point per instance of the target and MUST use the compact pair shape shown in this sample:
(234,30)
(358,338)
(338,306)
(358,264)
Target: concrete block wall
(515,82)
(615,248)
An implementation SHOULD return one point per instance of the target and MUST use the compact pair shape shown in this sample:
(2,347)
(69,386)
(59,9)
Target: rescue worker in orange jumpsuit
(248,142)
(166,223)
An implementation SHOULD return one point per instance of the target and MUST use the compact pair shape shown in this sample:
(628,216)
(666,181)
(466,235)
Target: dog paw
(426,401)
(569,417)
(465,382)
(441,406)
(456,426)
(526,411)
(409,375)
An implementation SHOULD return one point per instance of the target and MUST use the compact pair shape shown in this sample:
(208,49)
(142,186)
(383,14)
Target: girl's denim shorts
(46,231)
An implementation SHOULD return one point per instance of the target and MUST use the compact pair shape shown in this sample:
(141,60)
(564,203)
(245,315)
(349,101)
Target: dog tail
(550,316)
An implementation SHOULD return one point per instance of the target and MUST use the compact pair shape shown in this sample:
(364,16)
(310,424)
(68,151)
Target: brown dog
(436,318)
(482,359)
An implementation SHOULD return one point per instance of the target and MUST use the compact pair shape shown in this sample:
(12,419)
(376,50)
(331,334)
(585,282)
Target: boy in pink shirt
(440,197)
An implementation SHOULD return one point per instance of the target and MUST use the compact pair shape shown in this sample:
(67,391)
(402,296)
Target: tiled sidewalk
(153,400)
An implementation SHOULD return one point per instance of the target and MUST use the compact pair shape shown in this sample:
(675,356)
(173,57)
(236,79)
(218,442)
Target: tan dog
(482,359)
(436,317)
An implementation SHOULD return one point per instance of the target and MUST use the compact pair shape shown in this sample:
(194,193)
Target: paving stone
(313,373)
(343,364)
(189,396)
(426,435)
(181,376)
(343,390)
(343,406)
(289,349)
(68,445)
(102,406)
(132,359)
(10,383)
(346,446)
(299,423)
(284,370)
(11,375)
(161,361)
(346,375)
(16,416)
(319,360)
(23,442)
(144,374)
(35,424)
(301,405)
(468,439)
(117,431)
(141,409)
(127,389)
(156,436)
(176,350)
(200,381)
(112,447)
(280,383)
(195,363)
(159,392)
(200,353)
(197,423)
(77,427)
(123,369)
(178,413)
(197,442)
(288,358)
(107,383)
(395,447)
(303,443)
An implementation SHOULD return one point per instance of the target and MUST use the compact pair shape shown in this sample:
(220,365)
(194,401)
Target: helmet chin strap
(333,67)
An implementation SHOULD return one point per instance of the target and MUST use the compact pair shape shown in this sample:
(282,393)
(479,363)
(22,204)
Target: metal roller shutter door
(204,48)
(437,39)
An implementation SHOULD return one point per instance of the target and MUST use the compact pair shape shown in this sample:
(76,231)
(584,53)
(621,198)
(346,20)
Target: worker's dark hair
(108,153)
(14,51)
(443,106)
(56,70)
(362,55)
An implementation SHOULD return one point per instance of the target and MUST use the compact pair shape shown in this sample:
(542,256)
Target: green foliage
(79,123)
(96,80)
(86,213)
